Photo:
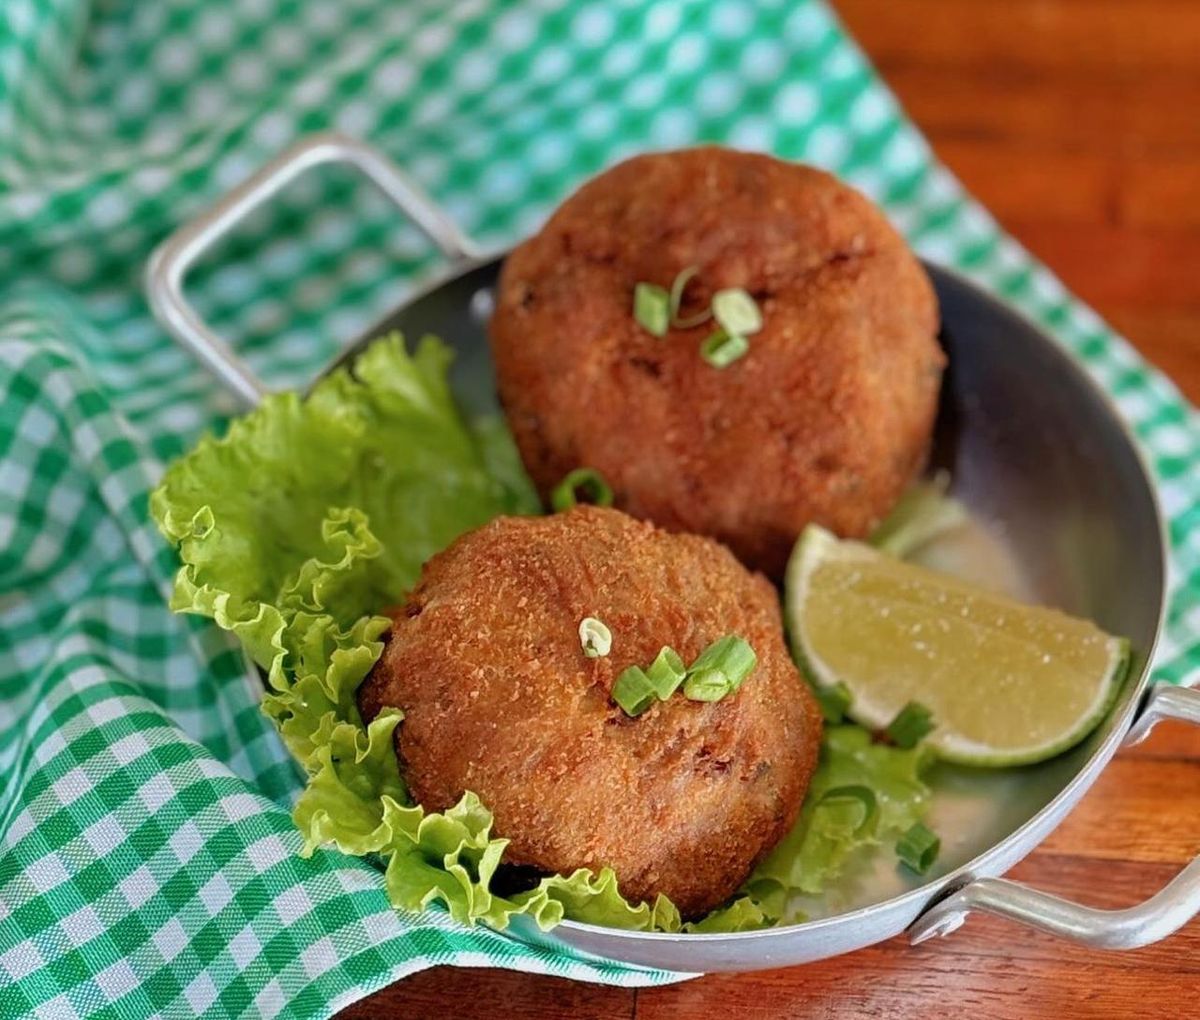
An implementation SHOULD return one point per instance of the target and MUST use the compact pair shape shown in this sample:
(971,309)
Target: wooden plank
(1170,740)
(1161,193)
(988,968)
(1168,337)
(1141,809)
(1023,183)
(1109,885)
(1115,266)
(975,969)
(1093,114)
(897,982)
(451,993)
(1102,37)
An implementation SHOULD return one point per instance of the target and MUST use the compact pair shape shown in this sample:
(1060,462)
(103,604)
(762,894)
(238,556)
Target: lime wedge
(1007,684)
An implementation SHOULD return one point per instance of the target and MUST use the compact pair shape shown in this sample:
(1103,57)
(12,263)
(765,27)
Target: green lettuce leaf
(830,833)
(353,781)
(924,512)
(449,858)
(311,516)
(744,914)
(295,529)
(595,899)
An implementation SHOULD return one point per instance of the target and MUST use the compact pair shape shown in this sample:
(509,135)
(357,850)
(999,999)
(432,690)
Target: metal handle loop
(1156,918)
(171,260)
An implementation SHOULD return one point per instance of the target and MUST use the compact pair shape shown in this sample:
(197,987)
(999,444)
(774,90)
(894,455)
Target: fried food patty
(485,660)
(826,419)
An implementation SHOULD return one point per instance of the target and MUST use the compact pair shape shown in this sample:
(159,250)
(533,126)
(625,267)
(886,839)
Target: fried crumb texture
(827,418)
(499,698)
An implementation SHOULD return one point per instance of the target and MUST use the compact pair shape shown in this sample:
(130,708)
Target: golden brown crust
(499,699)
(828,417)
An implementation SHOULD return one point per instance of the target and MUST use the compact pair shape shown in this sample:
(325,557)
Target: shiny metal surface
(1156,918)
(169,264)
(1066,515)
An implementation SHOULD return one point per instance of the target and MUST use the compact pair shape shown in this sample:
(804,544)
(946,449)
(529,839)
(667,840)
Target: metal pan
(1036,452)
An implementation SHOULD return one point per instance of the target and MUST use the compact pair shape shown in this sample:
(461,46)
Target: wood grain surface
(1077,122)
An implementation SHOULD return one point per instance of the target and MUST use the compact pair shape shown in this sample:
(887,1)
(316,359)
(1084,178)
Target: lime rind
(1109,688)
(814,547)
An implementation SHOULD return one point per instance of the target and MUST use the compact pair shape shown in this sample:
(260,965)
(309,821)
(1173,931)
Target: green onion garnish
(666,672)
(722,349)
(585,482)
(706,685)
(633,692)
(731,655)
(736,312)
(833,701)
(912,723)
(652,308)
(718,670)
(595,637)
(918,848)
(677,289)
(862,795)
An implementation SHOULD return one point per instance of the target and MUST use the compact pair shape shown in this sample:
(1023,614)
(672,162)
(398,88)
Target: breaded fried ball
(498,697)
(827,418)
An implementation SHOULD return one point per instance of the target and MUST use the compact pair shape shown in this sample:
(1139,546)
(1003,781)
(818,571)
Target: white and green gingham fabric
(148,864)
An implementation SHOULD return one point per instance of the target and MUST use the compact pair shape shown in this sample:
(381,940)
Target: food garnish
(862,796)
(925,512)
(918,848)
(633,691)
(833,701)
(677,289)
(652,308)
(737,315)
(736,312)
(718,671)
(586,482)
(594,637)
(1008,683)
(666,672)
(912,722)
(721,349)
(730,656)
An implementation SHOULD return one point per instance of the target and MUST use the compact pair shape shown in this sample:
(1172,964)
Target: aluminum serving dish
(1036,452)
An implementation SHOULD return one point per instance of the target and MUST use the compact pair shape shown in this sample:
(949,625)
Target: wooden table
(1077,122)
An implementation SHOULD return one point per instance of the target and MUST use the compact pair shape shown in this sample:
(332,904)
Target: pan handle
(172,259)
(1156,918)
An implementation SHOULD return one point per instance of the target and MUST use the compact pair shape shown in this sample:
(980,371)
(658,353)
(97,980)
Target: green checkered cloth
(148,864)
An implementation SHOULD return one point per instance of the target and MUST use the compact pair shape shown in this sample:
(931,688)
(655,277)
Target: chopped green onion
(585,482)
(854,793)
(722,349)
(595,637)
(833,701)
(666,672)
(652,308)
(912,723)
(718,670)
(633,692)
(706,685)
(677,289)
(918,848)
(736,312)
(731,655)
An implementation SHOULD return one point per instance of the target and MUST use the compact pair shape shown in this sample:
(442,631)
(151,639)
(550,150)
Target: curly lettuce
(310,516)
(925,512)
(830,832)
